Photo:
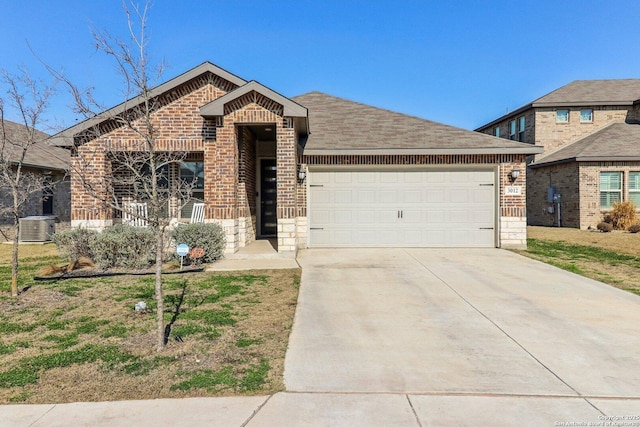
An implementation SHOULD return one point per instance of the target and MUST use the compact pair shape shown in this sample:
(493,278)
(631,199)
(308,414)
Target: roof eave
(43,167)
(580,104)
(158,90)
(427,151)
(504,117)
(586,159)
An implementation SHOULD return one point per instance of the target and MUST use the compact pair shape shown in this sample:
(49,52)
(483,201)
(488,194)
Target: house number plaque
(512,190)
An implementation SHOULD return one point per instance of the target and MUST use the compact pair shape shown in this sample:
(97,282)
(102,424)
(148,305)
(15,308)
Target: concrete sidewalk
(330,409)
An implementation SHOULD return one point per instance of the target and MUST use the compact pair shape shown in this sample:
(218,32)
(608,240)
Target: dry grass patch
(81,340)
(612,258)
(617,241)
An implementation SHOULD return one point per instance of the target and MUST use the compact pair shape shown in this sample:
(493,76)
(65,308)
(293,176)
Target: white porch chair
(135,214)
(197,213)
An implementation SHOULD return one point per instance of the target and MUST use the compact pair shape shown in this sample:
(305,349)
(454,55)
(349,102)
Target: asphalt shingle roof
(40,155)
(593,92)
(616,142)
(339,125)
(582,93)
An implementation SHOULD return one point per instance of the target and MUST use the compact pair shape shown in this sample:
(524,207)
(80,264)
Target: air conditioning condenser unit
(37,228)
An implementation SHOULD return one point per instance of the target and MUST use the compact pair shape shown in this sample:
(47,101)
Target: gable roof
(290,108)
(592,92)
(40,155)
(65,138)
(622,144)
(216,107)
(340,126)
(582,93)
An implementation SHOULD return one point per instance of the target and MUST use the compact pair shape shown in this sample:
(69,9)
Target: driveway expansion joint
(413,410)
(255,412)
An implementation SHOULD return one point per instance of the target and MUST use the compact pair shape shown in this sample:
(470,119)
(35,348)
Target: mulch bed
(86,273)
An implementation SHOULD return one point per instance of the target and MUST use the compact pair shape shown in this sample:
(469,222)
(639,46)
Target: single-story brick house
(321,171)
(44,160)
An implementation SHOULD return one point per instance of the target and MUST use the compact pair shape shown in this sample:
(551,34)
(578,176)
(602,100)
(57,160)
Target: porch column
(221,182)
(286,179)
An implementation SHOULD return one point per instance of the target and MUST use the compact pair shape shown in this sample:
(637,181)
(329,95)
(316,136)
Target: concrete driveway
(461,322)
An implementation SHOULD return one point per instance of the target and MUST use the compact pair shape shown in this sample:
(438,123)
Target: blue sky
(462,63)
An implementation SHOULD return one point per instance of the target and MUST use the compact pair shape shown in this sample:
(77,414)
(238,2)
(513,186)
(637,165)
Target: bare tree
(28,98)
(137,169)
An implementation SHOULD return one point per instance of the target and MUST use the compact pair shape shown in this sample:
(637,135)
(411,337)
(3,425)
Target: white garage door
(443,208)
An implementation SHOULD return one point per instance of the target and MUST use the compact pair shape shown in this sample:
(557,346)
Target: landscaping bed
(81,339)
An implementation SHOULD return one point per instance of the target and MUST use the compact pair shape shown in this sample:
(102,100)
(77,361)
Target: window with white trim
(586,115)
(496,131)
(562,116)
(634,188)
(521,126)
(512,129)
(610,189)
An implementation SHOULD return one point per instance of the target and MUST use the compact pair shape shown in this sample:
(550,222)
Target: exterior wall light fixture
(302,174)
(515,173)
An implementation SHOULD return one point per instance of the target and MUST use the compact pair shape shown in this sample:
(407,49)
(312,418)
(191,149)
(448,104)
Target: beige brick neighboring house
(320,171)
(41,159)
(590,131)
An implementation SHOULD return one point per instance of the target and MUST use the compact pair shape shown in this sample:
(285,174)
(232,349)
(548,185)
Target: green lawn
(618,269)
(81,340)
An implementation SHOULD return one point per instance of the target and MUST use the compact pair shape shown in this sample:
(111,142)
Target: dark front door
(47,198)
(268,192)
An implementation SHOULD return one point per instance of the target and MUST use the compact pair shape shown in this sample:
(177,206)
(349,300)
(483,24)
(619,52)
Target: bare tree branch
(29,99)
(119,158)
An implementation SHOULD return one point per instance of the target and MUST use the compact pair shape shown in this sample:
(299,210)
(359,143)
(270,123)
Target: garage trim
(494,168)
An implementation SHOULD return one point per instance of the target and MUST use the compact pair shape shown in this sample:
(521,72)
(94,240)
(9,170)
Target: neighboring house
(320,171)
(590,132)
(41,158)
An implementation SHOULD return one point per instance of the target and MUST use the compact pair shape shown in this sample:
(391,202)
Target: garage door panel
(366,177)
(483,195)
(342,196)
(435,196)
(388,196)
(365,196)
(320,217)
(402,208)
(343,178)
(321,196)
(412,196)
(460,195)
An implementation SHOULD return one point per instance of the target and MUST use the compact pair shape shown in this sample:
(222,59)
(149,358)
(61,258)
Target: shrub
(605,227)
(124,246)
(209,237)
(623,215)
(74,243)
(634,228)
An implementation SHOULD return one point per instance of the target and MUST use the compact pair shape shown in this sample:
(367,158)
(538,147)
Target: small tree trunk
(159,296)
(14,261)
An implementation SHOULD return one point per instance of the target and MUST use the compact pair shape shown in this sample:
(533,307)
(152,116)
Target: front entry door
(268,192)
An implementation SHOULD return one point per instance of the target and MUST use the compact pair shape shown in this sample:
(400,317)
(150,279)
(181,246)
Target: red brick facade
(226,141)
